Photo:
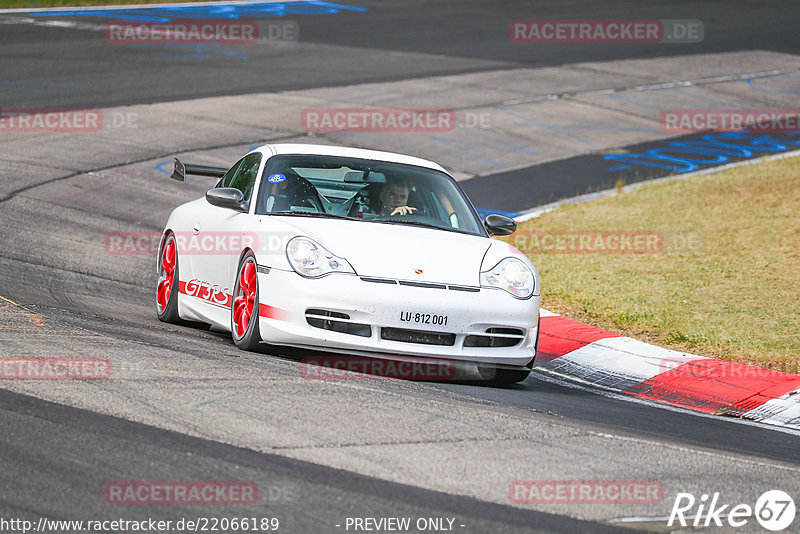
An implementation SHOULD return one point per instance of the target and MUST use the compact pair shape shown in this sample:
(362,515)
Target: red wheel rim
(166,274)
(245,298)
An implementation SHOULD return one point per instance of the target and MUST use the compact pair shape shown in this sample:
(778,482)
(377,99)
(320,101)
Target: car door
(218,238)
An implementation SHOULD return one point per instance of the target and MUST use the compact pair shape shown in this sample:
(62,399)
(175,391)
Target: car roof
(328,150)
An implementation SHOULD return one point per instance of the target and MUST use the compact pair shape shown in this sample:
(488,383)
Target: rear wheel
(167,288)
(244,312)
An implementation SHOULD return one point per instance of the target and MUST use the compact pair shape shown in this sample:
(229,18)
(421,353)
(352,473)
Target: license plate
(410,317)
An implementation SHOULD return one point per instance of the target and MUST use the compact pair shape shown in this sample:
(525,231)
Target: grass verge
(724,282)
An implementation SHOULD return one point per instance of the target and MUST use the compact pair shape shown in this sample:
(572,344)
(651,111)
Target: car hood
(398,251)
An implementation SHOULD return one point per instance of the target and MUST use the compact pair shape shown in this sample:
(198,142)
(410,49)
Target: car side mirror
(226,197)
(500,224)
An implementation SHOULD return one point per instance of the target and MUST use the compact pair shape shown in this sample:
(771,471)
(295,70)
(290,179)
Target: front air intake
(336,322)
(417,336)
(496,337)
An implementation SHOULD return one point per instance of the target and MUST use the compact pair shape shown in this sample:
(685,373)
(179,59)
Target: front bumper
(285,298)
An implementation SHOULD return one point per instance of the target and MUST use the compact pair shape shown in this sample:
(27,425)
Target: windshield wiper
(422,224)
(313,214)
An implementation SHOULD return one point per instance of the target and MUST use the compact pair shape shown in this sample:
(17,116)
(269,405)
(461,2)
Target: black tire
(169,312)
(508,376)
(251,338)
(505,377)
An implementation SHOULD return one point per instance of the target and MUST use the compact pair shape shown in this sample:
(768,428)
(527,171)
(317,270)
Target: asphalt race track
(184,404)
(390,40)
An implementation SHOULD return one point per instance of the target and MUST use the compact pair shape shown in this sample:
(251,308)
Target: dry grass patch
(726,284)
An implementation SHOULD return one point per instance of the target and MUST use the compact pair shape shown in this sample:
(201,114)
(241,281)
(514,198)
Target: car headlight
(312,260)
(512,275)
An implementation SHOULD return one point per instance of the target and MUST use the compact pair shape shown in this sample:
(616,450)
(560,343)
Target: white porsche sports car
(354,252)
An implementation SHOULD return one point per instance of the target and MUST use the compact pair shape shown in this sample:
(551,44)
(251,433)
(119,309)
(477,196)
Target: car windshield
(365,190)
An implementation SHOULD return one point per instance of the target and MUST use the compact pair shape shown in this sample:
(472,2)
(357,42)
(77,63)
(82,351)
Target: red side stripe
(560,336)
(709,385)
(271,312)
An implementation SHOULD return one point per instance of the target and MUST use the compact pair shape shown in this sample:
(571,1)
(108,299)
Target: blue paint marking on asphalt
(708,151)
(413,148)
(717,101)
(463,150)
(751,83)
(545,126)
(41,84)
(498,142)
(620,168)
(483,212)
(373,139)
(255,10)
(160,167)
(194,51)
(608,128)
(601,125)
(634,97)
(31,87)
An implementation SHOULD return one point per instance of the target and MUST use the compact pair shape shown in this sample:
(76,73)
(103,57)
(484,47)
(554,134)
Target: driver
(394,198)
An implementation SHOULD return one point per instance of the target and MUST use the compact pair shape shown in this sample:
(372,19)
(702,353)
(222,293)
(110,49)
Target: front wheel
(244,312)
(504,377)
(514,376)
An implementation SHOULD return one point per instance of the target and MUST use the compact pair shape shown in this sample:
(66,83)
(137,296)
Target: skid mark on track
(33,318)
(41,331)
(199,405)
(14,317)
(9,303)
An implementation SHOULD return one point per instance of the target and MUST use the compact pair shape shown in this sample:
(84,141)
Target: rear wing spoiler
(182,169)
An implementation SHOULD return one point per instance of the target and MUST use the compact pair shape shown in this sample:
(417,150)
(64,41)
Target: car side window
(228,176)
(242,176)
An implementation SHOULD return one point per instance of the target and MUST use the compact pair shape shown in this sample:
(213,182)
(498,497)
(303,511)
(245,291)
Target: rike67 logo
(774,510)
